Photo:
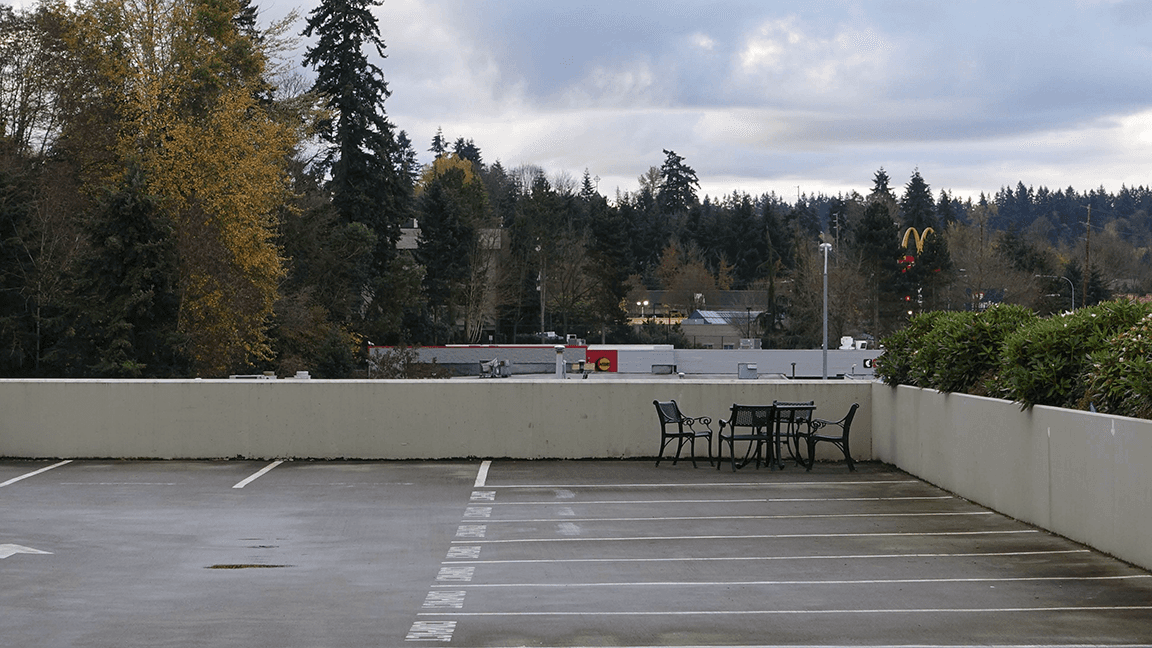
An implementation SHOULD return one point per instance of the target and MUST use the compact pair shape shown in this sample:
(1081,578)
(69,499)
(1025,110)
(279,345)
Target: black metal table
(792,423)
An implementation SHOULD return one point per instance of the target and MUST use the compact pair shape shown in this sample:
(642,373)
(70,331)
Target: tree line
(175,200)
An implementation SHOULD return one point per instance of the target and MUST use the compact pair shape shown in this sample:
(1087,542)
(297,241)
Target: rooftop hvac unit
(746,371)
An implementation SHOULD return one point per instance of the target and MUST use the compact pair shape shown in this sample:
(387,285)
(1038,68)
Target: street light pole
(825,247)
(1070,285)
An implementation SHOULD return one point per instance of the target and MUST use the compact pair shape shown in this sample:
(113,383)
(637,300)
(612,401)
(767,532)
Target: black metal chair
(684,430)
(840,440)
(793,425)
(756,421)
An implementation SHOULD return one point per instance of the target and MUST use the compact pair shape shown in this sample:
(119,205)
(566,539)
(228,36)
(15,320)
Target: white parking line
(35,472)
(900,556)
(750,500)
(999,645)
(799,516)
(760,484)
(482,475)
(871,581)
(258,474)
(776,536)
(678,613)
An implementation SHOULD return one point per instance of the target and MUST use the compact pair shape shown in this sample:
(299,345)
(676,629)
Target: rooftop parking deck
(534,553)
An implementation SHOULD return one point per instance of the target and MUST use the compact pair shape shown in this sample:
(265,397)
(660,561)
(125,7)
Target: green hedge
(1120,380)
(894,367)
(1096,357)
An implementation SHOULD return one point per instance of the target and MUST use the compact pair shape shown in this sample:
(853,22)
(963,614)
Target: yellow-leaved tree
(186,78)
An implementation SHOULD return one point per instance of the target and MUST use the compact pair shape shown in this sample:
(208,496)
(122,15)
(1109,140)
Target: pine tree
(467,150)
(453,210)
(880,188)
(678,184)
(948,209)
(877,241)
(609,263)
(129,302)
(917,207)
(406,158)
(748,247)
(439,145)
(367,185)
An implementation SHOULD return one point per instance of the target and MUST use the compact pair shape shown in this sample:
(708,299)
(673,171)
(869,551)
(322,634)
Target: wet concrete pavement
(544,553)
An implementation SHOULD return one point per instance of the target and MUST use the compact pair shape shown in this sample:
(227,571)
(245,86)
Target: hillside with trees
(175,201)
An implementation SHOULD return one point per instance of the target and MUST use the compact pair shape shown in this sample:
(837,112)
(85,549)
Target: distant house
(723,329)
(492,239)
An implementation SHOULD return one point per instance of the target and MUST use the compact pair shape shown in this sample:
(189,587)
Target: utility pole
(1087,254)
(825,247)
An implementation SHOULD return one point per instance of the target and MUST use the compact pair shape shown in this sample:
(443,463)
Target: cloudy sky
(771,95)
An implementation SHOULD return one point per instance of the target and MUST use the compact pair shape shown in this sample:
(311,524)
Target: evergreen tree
(439,146)
(609,264)
(1097,290)
(1022,255)
(588,189)
(917,207)
(747,247)
(129,302)
(877,241)
(17,346)
(948,209)
(502,193)
(881,189)
(406,158)
(678,185)
(446,237)
(452,210)
(650,230)
(467,150)
(366,185)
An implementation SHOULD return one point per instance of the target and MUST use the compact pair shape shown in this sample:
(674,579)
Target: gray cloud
(763,96)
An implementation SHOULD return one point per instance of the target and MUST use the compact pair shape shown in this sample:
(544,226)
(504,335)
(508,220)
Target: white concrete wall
(400,419)
(1082,475)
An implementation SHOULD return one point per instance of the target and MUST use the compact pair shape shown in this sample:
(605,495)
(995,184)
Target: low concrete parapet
(378,419)
(1082,475)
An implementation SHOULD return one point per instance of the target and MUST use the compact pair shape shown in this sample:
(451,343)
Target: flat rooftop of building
(535,553)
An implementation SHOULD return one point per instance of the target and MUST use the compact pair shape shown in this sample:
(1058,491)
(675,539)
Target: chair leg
(692,449)
(731,455)
(848,457)
(663,444)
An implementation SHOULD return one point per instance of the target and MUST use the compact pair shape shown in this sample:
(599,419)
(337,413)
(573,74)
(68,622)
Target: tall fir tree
(676,192)
(439,144)
(917,208)
(367,185)
(880,187)
(877,241)
(128,304)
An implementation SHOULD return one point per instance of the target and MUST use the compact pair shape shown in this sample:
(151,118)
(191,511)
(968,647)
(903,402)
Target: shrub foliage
(1120,380)
(1096,357)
